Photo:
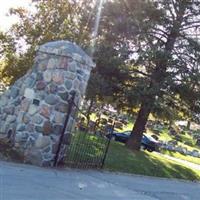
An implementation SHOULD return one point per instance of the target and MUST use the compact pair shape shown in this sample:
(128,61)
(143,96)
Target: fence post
(71,103)
(108,145)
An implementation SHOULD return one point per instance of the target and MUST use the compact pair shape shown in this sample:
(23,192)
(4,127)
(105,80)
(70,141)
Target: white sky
(5,5)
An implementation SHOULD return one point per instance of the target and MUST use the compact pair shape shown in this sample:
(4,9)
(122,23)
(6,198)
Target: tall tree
(158,34)
(177,18)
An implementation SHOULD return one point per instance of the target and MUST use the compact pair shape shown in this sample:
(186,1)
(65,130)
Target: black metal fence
(87,150)
(88,144)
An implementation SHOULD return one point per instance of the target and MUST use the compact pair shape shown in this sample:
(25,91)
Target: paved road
(24,182)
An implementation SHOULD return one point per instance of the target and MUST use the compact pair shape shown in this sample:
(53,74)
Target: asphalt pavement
(25,182)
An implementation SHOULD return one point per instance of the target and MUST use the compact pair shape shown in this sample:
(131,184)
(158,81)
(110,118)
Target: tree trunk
(170,123)
(188,124)
(89,111)
(139,127)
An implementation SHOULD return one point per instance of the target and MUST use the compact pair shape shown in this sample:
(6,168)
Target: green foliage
(53,20)
(182,157)
(85,148)
(121,159)
(107,78)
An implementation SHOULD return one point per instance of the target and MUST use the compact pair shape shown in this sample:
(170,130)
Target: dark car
(147,142)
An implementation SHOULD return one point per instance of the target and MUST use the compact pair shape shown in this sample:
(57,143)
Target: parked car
(148,143)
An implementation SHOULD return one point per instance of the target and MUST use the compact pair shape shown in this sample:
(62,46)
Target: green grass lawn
(164,135)
(186,140)
(182,157)
(88,148)
(121,159)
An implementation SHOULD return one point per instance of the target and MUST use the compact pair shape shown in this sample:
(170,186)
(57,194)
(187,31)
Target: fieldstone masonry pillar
(33,110)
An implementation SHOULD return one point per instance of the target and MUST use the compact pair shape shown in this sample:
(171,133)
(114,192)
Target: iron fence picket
(86,150)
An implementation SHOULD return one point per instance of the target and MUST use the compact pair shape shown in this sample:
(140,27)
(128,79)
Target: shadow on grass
(88,150)
(182,156)
(121,159)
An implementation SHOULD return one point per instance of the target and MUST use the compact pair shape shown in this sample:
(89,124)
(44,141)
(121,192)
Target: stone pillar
(33,110)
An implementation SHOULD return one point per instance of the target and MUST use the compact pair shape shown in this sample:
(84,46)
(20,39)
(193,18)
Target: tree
(162,52)
(7,53)
(106,80)
(173,40)
(190,94)
(52,20)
